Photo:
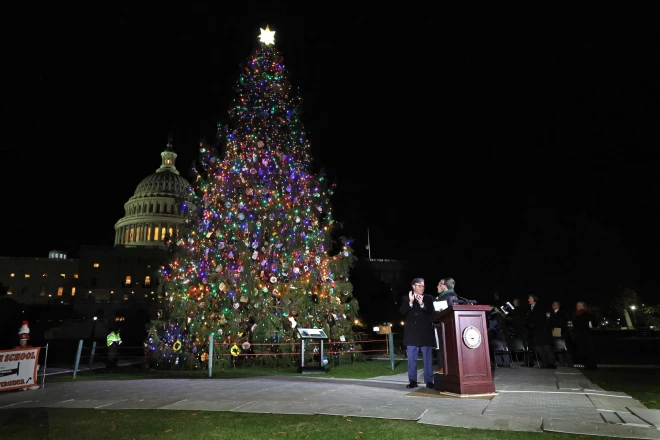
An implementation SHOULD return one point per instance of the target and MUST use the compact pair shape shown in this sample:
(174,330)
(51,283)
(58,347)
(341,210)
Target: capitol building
(105,285)
(153,213)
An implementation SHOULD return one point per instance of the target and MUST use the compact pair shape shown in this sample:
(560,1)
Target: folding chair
(500,352)
(561,352)
(516,346)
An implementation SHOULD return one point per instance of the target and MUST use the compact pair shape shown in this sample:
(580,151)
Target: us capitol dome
(154,212)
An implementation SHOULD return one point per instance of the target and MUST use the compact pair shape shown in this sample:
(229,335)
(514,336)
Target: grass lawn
(641,383)
(60,423)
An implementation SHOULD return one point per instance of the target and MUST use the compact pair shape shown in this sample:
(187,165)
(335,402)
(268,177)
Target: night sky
(514,157)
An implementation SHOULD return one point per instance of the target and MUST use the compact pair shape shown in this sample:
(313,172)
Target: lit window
(12,275)
(60,291)
(149,233)
(73,291)
(156,231)
(127,281)
(75,275)
(96,264)
(147,281)
(62,275)
(27,275)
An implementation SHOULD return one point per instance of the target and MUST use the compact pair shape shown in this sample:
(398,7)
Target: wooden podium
(463,329)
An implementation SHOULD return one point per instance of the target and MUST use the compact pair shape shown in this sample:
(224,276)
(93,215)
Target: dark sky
(514,157)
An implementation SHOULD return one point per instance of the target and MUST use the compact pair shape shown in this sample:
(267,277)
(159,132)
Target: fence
(95,353)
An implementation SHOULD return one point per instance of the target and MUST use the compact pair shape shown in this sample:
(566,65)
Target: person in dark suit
(558,320)
(445,293)
(418,331)
(539,335)
(517,318)
(583,322)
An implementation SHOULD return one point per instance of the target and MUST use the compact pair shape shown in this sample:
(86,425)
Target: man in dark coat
(558,320)
(539,334)
(418,331)
(517,318)
(445,293)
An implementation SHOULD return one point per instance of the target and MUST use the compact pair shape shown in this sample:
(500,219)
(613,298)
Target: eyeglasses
(418,285)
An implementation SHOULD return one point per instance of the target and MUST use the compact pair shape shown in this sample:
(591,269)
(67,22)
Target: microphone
(466,301)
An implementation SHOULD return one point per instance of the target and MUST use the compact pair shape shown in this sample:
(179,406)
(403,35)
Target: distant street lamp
(94,329)
(633,308)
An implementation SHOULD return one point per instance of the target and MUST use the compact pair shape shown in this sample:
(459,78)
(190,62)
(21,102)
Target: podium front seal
(471,337)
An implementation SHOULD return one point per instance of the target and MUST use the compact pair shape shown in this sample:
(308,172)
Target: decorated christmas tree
(258,257)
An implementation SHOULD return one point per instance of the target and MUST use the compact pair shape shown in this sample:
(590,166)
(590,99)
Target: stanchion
(91,356)
(211,355)
(75,366)
(390,340)
(43,378)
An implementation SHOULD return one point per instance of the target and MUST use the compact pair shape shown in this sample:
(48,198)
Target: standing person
(445,293)
(418,331)
(539,335)
(448,293)
(517,318)
(113,340)
(585,353)
(558,321)
(441,288)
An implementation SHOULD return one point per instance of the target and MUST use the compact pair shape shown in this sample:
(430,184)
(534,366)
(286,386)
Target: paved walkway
(528,399)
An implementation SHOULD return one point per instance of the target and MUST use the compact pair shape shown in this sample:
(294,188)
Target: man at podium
(446,298)
(418,331)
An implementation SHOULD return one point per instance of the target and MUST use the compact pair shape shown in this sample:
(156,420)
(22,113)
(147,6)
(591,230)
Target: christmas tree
(258,257)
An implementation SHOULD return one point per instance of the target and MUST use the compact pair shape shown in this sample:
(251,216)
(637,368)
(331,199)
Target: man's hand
(420,299)
(411,297)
